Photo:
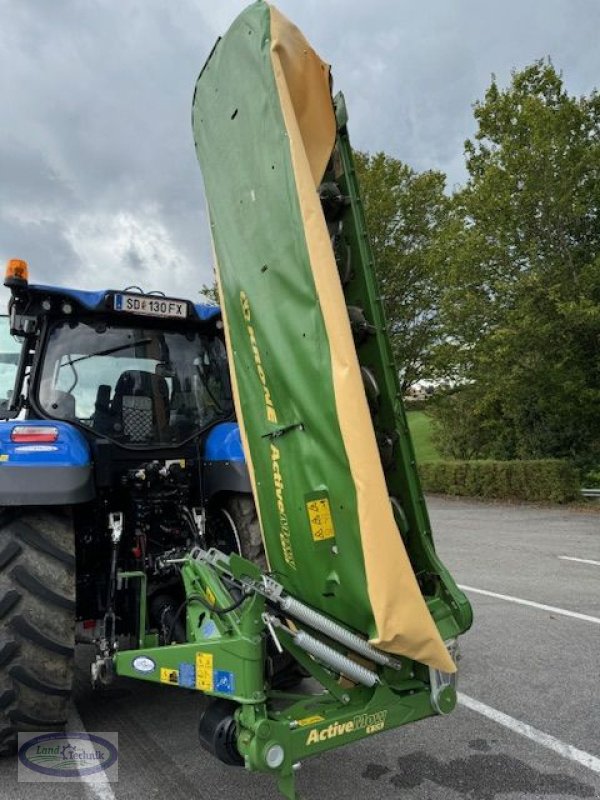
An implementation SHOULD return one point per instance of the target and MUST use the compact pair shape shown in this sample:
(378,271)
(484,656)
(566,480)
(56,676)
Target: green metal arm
(225,657)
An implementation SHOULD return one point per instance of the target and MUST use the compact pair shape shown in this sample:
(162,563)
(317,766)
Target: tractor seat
(140,406)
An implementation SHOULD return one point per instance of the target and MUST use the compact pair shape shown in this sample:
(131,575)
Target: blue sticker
(209,629)
(224,682)
(187,675)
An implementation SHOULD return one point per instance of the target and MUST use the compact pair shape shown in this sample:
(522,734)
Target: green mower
(349,590)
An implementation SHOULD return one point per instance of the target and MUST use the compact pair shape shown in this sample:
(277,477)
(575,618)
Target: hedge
(549,480)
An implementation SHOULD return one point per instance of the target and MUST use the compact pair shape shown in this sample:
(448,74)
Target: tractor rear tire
(237,528)
(37,621)
(239,531)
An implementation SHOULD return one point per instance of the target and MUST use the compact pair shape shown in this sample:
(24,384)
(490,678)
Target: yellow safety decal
(204,672)
(168,675)
(310,720)
(4,457)
(319,516)
(210,596)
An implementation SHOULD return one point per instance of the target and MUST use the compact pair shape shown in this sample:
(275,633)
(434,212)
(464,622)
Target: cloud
(99,182)
(138,245)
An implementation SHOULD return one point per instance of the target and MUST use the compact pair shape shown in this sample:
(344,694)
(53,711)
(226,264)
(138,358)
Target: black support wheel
(37,621)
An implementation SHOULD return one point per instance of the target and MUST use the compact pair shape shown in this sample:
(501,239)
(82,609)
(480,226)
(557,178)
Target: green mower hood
(265,130)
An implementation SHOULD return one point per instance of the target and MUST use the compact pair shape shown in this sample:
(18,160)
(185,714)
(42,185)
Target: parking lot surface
(528,725)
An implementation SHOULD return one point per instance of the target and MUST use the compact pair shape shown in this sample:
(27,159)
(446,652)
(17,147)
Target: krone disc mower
(349,590)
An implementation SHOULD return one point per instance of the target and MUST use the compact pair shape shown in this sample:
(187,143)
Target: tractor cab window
(10,349)
(137,386)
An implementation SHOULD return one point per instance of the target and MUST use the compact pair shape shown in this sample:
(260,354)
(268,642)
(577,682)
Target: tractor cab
(141,371)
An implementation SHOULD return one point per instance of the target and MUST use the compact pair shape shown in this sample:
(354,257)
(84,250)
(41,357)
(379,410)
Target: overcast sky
(99,183)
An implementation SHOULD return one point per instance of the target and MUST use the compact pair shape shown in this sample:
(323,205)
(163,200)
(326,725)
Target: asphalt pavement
(528,725)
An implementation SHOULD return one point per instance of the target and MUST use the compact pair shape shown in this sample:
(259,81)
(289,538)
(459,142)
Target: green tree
(405,212)
(521,308)
(210,294)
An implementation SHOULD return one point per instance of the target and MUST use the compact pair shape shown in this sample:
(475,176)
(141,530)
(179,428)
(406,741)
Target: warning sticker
(187,675)
(319,516)
(210,596)
(224,681)
(209,629)
(204,672)
(169,676)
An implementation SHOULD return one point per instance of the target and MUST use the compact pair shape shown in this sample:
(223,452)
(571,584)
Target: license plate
(150,306)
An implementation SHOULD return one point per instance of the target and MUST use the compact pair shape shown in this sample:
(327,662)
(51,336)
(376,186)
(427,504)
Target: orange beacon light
(17,273)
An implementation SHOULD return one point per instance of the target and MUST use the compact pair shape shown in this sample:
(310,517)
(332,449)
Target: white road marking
(98,784)
(522,728)
(562,611)
(580,560)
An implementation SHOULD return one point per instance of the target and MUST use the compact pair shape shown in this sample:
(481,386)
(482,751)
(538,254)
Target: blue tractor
(119,451)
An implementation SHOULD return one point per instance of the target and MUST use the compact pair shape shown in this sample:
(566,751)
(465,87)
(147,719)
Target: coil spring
(320,623)
(345,666)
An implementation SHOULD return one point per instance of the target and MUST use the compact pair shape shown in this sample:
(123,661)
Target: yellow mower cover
(265,130)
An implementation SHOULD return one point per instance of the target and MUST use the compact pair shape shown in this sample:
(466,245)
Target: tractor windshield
(140,387)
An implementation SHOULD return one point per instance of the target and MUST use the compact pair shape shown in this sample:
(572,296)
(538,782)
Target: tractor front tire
(37,621)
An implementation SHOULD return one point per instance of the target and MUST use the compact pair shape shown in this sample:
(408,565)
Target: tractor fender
(43,471)
(224,463)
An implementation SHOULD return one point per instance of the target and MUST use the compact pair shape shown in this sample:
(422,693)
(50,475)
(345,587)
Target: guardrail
(590,492)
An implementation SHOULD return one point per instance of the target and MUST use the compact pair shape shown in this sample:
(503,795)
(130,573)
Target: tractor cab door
(10,350)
